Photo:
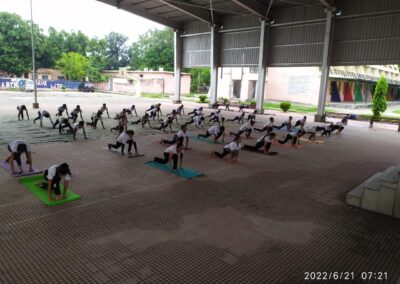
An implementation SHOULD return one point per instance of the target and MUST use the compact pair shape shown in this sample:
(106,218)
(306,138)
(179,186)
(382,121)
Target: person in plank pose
(96,117)
(74,114)
(21,110)
(53,177)
(131,109)
(294,136)
(245,128)
(287,123)
(122,124)
(123,139)
(61,109)
(197,120)
(217,131)
(238,118)
(103,109)
(41,115)
(62,123)
(269,126)
(182,134)
(16,149)
(264,143)
(171,155)
(76,127)
(232,148)
(143,120)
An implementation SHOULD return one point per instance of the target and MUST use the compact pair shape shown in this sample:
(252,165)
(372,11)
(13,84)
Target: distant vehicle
(86,87)
(26,85)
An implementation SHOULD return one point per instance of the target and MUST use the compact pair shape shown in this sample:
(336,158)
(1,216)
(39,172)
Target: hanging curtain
(335,95)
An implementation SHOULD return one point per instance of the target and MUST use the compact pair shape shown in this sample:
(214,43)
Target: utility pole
(35,104)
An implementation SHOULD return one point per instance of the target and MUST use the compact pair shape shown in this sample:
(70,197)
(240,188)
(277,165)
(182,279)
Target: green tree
(200,77)
(117,54)
(73,65)
(154,49)
(97,58)
(379,97)
(357,93)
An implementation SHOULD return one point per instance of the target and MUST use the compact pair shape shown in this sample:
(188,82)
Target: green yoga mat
(209,140)
(185,173)
(30,183)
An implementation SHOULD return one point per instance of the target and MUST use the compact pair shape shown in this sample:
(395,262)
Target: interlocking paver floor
(266,220)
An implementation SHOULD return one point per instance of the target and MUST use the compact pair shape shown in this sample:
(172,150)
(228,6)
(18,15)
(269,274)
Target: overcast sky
(91,17)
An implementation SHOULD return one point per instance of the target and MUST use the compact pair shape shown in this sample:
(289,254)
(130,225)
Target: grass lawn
(294,108)
(155,96)
(397,111)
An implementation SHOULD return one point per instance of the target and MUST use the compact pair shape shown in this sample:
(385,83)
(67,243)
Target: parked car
(26,85)
(86,87)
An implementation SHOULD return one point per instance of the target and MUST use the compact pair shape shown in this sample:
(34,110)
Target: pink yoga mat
(25,167)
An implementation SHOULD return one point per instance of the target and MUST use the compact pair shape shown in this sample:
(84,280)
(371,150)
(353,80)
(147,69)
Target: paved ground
(266,220)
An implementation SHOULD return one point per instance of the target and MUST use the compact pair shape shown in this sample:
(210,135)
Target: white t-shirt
(233,146)
(264,139)
(269,124)
(123,138)
(213,130)
(340,123)
(45,112)
(183,134)
(245,127)
(293,133)
(14,145)
(171,149)
(197,120)
(76,111)
(103,108)
(52,173)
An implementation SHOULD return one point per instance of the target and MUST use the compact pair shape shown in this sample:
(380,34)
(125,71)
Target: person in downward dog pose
(217,131)
(16,149)
(172,155)
(245,128)
(269,126)
(239,118)
(62,123)
(232,148)
(41,115)
(76,127)
(123,139)
(264,143)
(21,110)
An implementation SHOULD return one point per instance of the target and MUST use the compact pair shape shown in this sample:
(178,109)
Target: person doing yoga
(103,109)
(264,143)
(16,149)
(269,126)
(143,120)
(238,118)
(123,139)
(171,155)
(21,110)
(232,148)
(294,136)
(245,128)
(53,177)
(217,131)
(61,109)
(43,114)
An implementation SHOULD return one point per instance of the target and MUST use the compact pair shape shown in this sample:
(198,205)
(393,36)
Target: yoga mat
(288,145)
(135,156)
(261,152)
(310,141)
(25,167)
(209,140)
(31,184)
(185,173)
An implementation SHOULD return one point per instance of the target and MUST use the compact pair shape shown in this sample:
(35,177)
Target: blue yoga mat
(209,140)
(185,173)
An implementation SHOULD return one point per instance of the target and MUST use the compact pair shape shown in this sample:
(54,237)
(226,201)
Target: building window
(60,77)
(45,77)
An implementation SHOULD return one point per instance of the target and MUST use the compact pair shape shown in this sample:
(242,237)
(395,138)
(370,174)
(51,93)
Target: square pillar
(262,66)
(214,65)
(178,54)
(325,67)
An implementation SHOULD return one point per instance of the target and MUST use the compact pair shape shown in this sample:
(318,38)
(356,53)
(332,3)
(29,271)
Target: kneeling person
(171,155)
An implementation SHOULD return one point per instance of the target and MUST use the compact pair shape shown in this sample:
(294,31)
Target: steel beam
(254,6)
(262,66)
(202,14)
(325,67)
(214,64)
(178,44)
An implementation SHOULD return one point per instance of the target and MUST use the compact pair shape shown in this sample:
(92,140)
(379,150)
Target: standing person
(16,149)
(96,117)
(143,120)
(245,128)
(263,142)
(287,123)
(123,139)
(269,126)
(103,109)
(238,118)
(62,123)
(74,114)
(21,110)
(122,124)
(294,136)
(217,131)
(41,115)
(61,109)
(53,177)
(232,149)
(197,120)
(76,127)
(171,156)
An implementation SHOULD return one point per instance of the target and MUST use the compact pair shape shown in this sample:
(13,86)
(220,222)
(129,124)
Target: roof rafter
(254,6)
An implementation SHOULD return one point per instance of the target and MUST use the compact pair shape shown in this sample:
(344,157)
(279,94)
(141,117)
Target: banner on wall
(11,83)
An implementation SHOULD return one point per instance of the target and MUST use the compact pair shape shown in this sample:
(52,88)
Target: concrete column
(262,66)
(214,65)
(178,54)
(325,67)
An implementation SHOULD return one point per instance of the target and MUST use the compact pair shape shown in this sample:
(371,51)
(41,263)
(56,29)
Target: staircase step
(373,182)
(354,196)
(390,177)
